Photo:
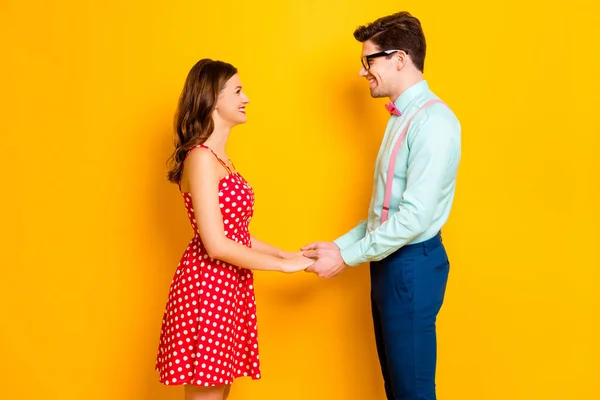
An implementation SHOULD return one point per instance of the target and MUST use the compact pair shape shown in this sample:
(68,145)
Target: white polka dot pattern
(209,333)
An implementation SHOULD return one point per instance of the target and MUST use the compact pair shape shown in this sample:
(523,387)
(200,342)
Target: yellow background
(92,231)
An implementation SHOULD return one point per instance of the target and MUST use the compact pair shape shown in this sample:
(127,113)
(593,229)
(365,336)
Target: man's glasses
(365,60)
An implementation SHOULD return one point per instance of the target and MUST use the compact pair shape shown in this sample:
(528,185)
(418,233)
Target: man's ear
(401,60)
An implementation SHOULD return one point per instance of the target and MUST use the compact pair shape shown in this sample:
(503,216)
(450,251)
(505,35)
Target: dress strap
(211,150)
(223,163)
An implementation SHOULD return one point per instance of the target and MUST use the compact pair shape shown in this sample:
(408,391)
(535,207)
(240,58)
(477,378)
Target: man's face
(381,72)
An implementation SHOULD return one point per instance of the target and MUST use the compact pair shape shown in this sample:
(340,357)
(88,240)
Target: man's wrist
(352,256)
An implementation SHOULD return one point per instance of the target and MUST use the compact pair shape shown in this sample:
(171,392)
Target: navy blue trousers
(407,292)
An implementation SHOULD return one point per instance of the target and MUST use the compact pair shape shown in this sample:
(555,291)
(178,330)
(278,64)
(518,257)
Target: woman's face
(231,105)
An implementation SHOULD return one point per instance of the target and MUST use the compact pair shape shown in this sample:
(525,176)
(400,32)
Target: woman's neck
(218,141)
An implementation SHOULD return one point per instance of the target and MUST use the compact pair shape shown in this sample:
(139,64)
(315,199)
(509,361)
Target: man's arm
(434,148)
(352,236)
(329,261)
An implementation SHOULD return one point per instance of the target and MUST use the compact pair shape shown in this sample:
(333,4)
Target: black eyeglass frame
(365,60)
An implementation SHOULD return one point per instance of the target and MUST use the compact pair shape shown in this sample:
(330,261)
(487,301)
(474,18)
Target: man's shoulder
(437,113)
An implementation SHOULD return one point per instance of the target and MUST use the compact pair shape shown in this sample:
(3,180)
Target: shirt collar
(410,94)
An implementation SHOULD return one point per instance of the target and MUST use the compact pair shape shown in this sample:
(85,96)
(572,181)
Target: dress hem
(205,383)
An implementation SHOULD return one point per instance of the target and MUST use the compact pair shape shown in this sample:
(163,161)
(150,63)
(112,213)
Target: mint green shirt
(424,180)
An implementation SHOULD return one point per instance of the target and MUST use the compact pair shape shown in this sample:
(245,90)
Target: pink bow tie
(391,107)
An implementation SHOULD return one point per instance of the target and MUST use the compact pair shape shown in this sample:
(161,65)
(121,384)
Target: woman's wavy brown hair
(193,120)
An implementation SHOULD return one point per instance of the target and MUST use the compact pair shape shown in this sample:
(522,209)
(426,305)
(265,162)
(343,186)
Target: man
(409,266)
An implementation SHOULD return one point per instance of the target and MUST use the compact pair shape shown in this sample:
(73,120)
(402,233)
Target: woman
(208,336)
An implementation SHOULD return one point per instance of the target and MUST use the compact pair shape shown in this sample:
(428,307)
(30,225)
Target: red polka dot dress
(209,334)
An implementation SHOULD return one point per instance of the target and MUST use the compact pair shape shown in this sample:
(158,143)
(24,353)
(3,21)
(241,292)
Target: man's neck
(405,83)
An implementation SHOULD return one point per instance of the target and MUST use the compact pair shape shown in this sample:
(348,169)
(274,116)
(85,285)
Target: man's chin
(376,95)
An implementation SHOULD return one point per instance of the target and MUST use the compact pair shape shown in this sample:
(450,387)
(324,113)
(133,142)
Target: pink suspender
(390,172)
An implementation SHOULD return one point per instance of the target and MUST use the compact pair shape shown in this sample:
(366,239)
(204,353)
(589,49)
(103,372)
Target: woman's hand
(296,263)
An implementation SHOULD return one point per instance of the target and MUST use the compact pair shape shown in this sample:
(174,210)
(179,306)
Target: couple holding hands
(209,333)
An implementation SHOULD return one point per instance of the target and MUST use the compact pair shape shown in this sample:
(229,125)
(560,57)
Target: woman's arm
(274,251)
(204,186)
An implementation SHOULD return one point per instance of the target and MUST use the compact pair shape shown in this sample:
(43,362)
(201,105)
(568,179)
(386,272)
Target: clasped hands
(326,259)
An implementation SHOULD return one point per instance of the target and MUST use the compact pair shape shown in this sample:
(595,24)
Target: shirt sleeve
(353,236)
(433,145)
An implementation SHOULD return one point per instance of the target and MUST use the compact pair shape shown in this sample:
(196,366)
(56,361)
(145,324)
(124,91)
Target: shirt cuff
(344,241)
(352,255)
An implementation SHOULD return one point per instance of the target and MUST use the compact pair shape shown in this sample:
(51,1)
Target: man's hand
(329,262)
